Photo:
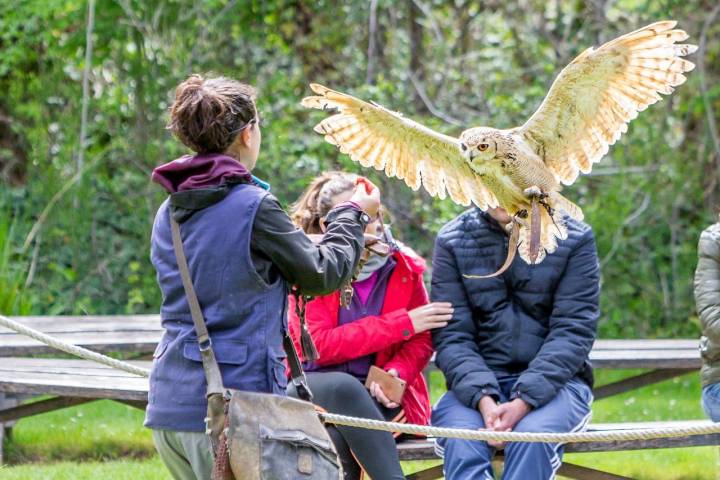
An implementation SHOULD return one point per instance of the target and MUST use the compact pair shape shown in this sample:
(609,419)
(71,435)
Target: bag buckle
(205,345)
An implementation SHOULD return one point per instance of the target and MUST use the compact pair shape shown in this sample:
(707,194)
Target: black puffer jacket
(536,321)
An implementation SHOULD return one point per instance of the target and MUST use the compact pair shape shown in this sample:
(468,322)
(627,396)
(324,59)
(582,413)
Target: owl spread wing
(592,100)
(375,136)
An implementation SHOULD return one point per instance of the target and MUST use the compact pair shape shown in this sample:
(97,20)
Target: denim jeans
(569,411)
(711,401)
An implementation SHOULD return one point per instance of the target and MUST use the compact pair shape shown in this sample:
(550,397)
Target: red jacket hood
(412,261)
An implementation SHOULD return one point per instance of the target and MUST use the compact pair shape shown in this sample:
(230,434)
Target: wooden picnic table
(139,334)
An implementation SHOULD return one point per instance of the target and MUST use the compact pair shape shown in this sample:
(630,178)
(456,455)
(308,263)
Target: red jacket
(390,335)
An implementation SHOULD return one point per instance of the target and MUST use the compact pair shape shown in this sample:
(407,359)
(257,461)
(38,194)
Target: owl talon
(520,217)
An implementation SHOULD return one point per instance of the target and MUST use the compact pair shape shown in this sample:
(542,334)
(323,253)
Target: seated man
(515,354)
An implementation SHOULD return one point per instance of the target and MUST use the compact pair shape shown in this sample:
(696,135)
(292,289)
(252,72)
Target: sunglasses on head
(256,120)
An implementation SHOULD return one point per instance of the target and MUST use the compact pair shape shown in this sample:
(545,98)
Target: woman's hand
(377,393)
(432,315)
(367,196)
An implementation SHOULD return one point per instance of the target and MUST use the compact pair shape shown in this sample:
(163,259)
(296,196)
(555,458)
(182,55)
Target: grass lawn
(106,440)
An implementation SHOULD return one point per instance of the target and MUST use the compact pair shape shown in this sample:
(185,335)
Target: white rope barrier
(702,428)
(481,435)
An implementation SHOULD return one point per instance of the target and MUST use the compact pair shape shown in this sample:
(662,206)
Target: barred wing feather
(591,102)
(377,137)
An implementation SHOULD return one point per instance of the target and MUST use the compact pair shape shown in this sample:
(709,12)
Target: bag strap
(210,365)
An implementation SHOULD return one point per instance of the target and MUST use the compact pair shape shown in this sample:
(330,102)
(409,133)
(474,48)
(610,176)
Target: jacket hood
(204,170)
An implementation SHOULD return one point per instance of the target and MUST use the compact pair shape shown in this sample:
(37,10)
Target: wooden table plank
(128,333)
(75,378)
(688,359)
(140,333)
(58,321)
(647,344)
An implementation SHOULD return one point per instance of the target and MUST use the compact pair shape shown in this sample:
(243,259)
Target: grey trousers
(188,455)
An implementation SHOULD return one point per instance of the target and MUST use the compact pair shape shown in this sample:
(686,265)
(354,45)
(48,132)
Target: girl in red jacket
(386,324)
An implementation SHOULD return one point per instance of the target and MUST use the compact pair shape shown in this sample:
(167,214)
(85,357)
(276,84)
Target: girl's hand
(378,394)
(367,196)
(432,315)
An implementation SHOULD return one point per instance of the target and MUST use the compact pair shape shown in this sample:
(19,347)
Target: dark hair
(208,114)
(316,200)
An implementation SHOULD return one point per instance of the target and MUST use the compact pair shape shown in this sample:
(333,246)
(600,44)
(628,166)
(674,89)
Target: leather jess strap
(512,249)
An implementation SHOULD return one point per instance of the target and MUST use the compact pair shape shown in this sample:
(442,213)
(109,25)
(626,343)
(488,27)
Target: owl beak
(466,152)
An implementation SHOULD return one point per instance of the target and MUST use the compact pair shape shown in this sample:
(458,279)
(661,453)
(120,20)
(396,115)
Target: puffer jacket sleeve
(573,327)
(458,355)
(707,283)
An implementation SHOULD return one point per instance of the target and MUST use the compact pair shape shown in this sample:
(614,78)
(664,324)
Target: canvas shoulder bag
(259,436)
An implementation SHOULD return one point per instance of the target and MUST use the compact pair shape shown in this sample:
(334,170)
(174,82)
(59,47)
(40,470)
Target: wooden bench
(73,382)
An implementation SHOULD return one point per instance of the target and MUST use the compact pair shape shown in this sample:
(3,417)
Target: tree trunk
(416,46)
(372,44)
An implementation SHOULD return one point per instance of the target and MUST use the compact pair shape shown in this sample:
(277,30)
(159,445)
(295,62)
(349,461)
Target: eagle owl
(586,110)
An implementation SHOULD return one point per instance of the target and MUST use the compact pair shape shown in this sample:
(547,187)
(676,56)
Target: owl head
(480,143)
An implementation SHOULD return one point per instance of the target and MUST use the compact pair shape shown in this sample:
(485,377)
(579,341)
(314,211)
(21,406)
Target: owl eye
(482,147)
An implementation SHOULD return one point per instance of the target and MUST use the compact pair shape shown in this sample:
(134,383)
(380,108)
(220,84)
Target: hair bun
(193,85)
(206,111)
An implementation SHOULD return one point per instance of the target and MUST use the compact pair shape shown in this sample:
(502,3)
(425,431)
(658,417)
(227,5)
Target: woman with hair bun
(243,253)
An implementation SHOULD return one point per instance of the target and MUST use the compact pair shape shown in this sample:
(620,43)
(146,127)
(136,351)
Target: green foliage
(13,301)
(480,64)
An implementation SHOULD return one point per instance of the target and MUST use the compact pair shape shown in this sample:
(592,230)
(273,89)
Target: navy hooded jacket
(243,302)
(537,322)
